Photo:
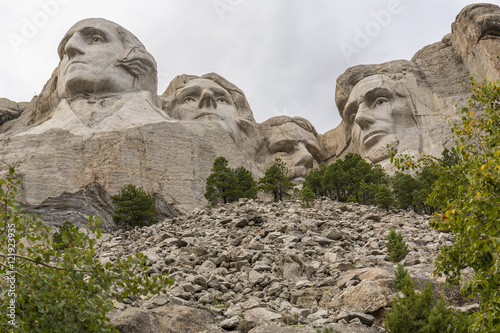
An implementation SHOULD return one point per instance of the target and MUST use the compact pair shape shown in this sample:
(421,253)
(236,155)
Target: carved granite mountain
(98,123)
(97,127)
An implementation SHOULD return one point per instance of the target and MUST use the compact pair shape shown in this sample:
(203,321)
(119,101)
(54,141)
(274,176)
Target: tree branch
(40,263)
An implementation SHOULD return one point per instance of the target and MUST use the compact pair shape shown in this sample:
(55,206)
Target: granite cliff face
(98,123)
(409,105)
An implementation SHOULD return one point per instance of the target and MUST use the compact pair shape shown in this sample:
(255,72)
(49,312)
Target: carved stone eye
(96,39)
(188,99)
(380,101)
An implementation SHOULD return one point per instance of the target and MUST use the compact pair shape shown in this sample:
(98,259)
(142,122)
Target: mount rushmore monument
(99,123)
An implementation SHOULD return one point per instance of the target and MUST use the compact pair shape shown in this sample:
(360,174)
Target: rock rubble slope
(273,267)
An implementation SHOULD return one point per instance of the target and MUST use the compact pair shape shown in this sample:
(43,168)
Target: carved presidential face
(205,100)
(297,147)
(377,115)
(89,54)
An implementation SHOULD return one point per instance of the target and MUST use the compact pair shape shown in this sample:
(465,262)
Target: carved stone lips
(372,137)
(74,62)
(206,114)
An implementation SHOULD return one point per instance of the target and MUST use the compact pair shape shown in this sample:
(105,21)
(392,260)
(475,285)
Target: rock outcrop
(10,110)
(409,105)
(268,265)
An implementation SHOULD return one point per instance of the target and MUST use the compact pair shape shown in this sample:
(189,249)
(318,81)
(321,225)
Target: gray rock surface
(98,123)
(289,278)
(10,110)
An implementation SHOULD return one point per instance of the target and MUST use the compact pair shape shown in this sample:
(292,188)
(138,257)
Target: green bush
(246,186)
(134,207)
(396,246)
(421,312)
(384,197)
(65,236)
(307,196)
(402,279)
(351,179)
(325,330)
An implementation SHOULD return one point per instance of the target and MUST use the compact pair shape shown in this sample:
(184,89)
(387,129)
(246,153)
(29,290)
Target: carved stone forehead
(203,83)
(108,27)
(368,84)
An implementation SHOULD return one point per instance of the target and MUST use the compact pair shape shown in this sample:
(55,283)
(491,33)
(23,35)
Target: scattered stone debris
(256,266)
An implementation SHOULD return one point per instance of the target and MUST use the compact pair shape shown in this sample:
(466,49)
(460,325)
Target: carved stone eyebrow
(188,91)
(377,92)
(91,31)
(86,31)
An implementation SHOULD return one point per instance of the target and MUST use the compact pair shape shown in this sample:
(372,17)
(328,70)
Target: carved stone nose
(207,100)
(303,156)
(73,46)
(363,117)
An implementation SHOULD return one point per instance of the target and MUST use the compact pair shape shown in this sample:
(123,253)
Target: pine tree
(246,186)
(226,185)
(307,196)
(134,207)
(221,183)
(384,197)
(275,180)
(396,246)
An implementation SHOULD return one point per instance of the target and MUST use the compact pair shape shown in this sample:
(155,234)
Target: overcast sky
(284,54)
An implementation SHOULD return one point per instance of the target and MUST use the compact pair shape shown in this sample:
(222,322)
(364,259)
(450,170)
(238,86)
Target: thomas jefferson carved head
(209,98)
(99,58)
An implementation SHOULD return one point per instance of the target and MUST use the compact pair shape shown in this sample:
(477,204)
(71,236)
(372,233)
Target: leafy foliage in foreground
(62,291)
(134,207)
(64,236)
(467,199)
